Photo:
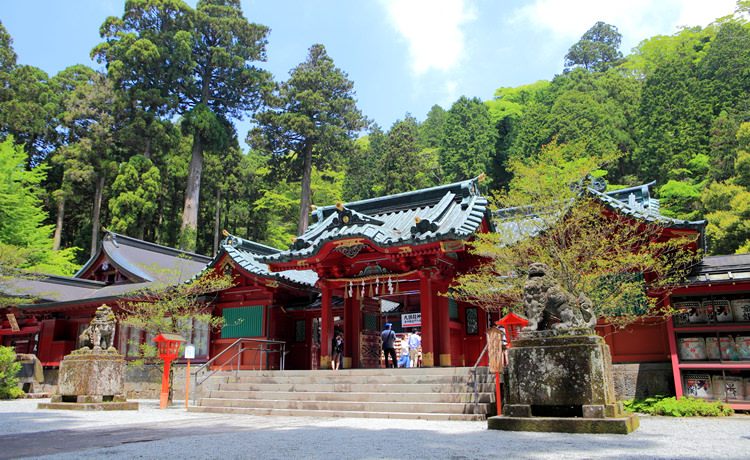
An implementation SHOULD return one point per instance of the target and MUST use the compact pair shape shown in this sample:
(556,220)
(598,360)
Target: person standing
(337,349)
(415,341)
(388,340)
(403,359)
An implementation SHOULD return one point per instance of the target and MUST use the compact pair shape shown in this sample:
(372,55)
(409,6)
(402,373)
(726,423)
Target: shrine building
(358,266)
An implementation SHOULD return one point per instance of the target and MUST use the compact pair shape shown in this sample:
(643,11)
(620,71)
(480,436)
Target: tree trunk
(147,149)
(59,223)
(96,213)
(304,206)
(189,227)
(217,220)
(157,236)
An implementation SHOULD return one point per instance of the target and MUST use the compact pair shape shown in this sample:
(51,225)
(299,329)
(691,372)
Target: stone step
(331,413)
(348,406)
(426,393)
(465,371)
(359,387)
(354,379)
(464,398)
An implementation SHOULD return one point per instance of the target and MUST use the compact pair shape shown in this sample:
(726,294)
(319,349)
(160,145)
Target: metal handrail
(473,377)
(260,345)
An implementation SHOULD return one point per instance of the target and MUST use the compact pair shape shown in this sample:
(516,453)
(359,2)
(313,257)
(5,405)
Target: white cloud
(703,12)
(432,29)
(635,19)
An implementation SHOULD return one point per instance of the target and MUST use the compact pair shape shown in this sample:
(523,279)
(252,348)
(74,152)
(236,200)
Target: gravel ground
(150,433)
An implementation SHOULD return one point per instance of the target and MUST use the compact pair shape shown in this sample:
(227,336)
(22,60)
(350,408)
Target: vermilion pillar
(326,326)
(428,332)
(443,339)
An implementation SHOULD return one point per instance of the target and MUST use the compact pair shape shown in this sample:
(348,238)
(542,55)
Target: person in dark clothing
(337,349)
(388,339)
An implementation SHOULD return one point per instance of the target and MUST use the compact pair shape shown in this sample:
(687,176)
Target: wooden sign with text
(495,349)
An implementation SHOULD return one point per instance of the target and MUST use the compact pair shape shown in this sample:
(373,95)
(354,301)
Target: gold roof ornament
(481,178)
(224,232)
(312,207)
(339,206)
(417,220)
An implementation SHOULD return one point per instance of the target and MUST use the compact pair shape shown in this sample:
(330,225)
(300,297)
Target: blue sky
(403,55)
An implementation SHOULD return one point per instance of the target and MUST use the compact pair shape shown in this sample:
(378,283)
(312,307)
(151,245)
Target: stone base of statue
(561,381)
(91,380)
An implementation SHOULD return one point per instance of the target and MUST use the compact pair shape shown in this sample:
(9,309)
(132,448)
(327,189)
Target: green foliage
(311,121)
(432,130)
(8,56)
(727,204)
(135,192)
(282,204)
(680,199)
(28,107)
(468,141)
(598,49)
(9,367)
(671,406)
(171,59)
(22,218)
(545,217)
(402,166)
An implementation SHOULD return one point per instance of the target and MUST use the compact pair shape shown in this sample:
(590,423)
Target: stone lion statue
(101,332)
(544,298)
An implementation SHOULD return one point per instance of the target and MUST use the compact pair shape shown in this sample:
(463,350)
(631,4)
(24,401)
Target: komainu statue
(544,298)
(101,332)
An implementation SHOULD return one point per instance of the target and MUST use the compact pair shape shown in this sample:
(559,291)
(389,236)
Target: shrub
(9,367)
(685,407)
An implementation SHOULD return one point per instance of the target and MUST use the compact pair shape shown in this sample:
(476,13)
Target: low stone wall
(639,380)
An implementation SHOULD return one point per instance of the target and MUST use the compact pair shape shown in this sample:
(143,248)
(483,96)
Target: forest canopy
(148,145)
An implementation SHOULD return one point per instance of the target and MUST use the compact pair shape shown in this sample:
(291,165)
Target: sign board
(190,352)
(495,349)
(411,319)
(13,323)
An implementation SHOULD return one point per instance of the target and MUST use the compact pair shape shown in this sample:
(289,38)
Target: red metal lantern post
(169,347)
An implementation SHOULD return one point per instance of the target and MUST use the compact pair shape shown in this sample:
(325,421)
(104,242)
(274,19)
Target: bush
(9,367)
(685,407)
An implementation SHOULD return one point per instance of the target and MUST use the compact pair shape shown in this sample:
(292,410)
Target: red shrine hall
(358,266)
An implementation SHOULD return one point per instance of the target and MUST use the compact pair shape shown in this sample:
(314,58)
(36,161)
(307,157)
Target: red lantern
(512,324)
(169,347)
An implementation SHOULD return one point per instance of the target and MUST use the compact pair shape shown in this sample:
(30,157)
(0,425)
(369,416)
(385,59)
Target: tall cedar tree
(197,63)
(469,140)
(311,120)
(598,49)
(402,167)
(88,157)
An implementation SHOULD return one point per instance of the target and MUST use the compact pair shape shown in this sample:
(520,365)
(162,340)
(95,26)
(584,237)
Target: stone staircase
(420,393)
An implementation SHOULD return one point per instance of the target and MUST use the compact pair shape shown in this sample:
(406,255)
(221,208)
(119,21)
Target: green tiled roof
(448,212)
(245,254)
(635,202)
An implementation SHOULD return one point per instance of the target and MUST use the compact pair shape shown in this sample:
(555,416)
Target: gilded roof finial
(339,206)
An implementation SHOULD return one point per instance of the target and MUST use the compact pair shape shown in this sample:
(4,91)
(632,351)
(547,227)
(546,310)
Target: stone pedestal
(91,380)
(561,381)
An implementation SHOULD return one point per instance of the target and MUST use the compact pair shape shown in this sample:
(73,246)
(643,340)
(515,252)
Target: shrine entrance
(405,246)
